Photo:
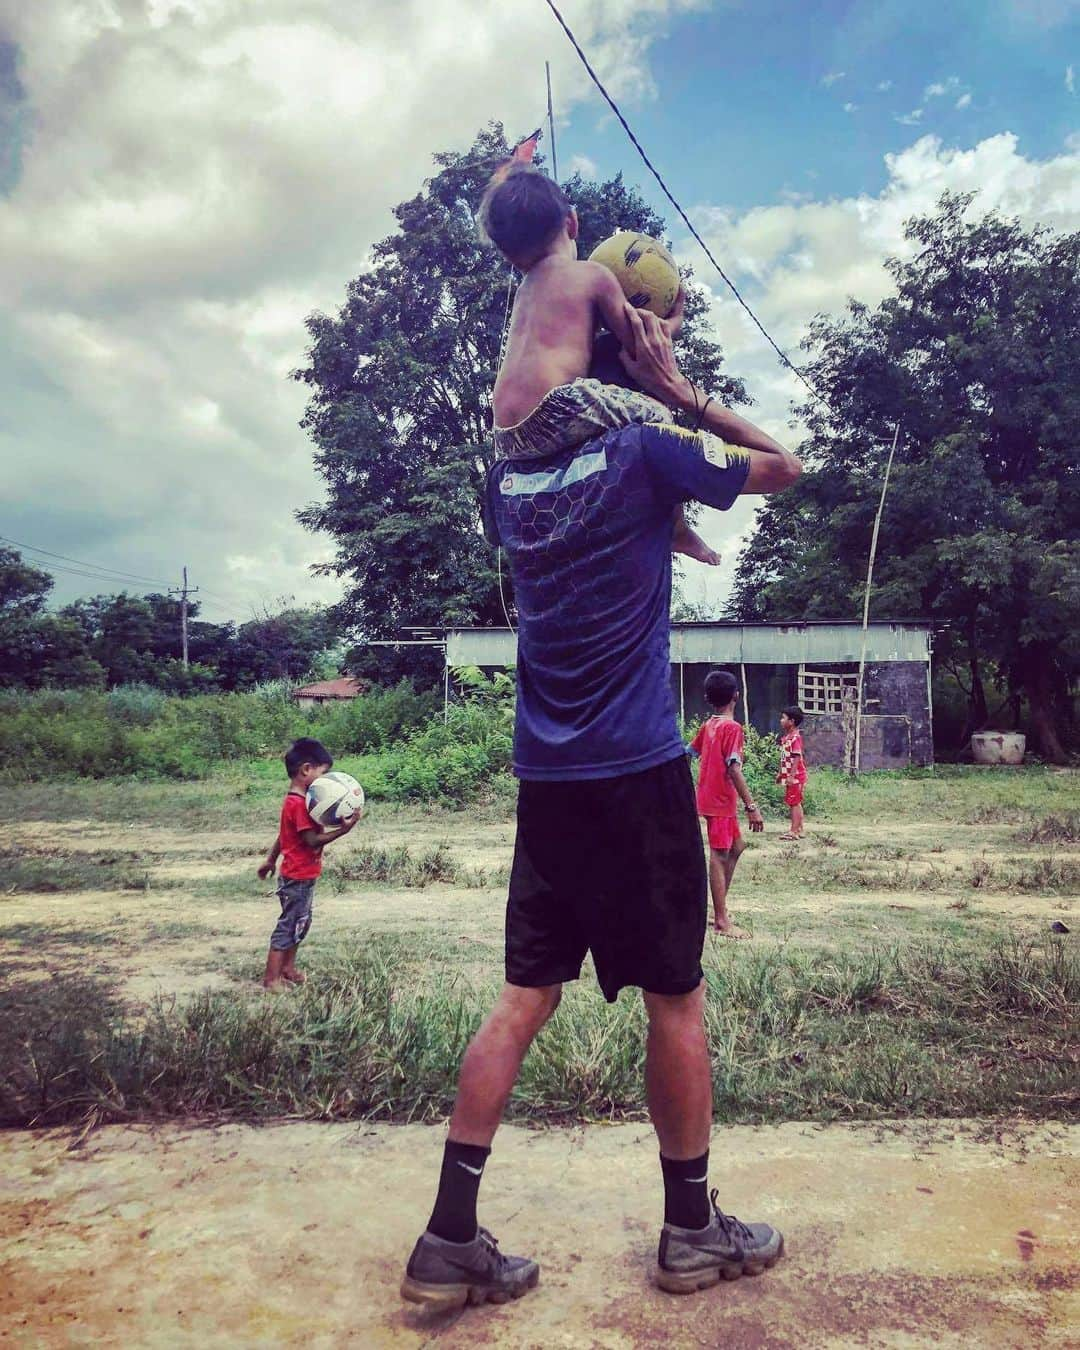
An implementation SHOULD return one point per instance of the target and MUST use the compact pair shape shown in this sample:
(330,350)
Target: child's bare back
(558,308)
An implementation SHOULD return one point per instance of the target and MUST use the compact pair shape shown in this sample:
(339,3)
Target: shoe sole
(677,1282)
(458,1295)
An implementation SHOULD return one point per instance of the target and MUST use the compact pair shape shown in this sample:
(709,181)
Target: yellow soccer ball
(643,268)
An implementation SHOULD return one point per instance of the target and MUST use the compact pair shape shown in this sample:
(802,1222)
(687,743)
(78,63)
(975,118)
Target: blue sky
(182,181)
(751,98)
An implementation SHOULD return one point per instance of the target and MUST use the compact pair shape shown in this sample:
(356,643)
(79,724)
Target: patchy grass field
(904,960)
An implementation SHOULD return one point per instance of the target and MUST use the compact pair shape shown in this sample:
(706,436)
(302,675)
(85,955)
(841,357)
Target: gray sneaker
(691,1259)
(450,1274)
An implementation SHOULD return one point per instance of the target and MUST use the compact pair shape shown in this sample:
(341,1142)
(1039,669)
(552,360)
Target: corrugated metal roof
(343,688)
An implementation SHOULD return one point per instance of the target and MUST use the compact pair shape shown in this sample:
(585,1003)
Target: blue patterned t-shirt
(587,536)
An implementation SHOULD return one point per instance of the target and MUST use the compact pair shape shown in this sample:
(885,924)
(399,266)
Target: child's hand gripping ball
(333,798)
(644,269)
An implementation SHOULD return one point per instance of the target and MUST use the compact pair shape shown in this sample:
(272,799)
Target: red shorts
(723,832)
(793,794)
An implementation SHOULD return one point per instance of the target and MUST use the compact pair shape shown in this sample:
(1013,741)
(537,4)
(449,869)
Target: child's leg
(274,975)
(688,541)
(289,971)
(721,868)
(797,820)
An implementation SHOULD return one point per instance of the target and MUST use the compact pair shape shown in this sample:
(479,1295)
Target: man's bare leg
(722,864)
(678,1073)
(493,1059)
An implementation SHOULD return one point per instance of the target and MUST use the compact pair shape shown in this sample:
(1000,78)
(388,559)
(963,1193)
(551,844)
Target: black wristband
(705,409)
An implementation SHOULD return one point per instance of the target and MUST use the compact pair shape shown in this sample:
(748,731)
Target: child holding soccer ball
(299,845)
(544,401)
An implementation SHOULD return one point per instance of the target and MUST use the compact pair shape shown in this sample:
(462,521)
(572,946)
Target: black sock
(454,1215)
(686,1191)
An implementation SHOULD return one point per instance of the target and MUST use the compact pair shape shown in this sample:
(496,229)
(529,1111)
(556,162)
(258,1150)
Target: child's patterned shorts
(571,414)
(296,898)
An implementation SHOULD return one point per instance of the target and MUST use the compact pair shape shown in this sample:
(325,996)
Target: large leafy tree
(400,409)
(975,358)
(36,646)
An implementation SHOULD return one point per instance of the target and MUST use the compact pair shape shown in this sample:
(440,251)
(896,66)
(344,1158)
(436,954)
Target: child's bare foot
(294,976)
(794,838)
(692,544)
(276,986)
(725,928)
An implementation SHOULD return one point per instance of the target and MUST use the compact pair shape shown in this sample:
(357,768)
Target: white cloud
(202,174)
(851,107)
(794,260)
(912,118)
(964,101)
(884,86)
(583,165)
(1070,79)
(941,87)
(831,78)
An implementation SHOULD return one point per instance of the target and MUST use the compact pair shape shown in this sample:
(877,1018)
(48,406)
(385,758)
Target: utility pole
(183,592)
(857,753)
(551,124)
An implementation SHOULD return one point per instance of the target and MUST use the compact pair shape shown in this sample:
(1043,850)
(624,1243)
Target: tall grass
(923,1030)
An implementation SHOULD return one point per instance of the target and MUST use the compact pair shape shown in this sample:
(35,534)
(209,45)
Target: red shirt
(298,862)
(792,765)
(719,743)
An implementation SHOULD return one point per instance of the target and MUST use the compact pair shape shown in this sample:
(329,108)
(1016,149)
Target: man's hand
(654,366)
(674,321)
(266,871)
(755,819)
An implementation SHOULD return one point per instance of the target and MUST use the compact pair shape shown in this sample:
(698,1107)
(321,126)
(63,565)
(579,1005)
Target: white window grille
(822,691)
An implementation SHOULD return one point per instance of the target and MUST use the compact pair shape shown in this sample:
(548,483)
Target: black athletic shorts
(614,866)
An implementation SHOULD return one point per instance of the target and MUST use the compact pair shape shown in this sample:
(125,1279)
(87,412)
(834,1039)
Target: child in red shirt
(792,767)
(299,845)
(719,742)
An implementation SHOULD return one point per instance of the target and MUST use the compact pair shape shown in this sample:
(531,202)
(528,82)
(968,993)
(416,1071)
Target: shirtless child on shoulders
(544,402)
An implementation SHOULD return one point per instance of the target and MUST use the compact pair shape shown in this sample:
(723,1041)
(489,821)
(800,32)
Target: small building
(328,691)
(814,664)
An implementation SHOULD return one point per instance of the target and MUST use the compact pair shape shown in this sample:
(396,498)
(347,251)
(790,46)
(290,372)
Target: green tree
(975,357)
(400,408)
(36,647)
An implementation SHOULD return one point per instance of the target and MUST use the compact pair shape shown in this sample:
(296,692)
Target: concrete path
(295,1235)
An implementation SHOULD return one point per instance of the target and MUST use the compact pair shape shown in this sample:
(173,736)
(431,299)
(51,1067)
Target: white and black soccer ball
(333,798)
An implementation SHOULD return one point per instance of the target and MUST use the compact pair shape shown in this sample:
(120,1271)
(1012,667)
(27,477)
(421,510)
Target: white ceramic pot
(998,747)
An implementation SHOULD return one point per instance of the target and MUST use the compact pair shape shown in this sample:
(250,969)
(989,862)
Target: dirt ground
(296,1235)
(945,1234)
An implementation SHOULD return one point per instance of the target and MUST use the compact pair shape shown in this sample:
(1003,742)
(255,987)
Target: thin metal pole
(551,124)
(446,687)
(866,603)
(745,694)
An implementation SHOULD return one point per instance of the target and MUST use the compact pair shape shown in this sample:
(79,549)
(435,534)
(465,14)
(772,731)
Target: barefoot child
(792,767)
(543,402)
(719,742)
(299,844)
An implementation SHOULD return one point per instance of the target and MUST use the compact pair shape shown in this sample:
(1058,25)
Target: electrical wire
(81,562)
(672,199)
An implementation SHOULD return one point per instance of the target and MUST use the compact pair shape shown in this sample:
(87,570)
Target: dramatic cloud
(197,176)
(798,259)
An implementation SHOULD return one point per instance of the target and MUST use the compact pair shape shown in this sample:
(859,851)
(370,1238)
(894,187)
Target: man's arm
(738,782)
(772,468)
(267,868)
